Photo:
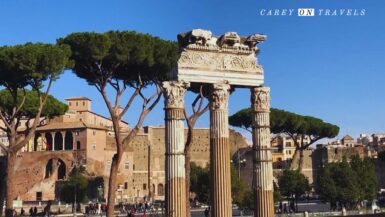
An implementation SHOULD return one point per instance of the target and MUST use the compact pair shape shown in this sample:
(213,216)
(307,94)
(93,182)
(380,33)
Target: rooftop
(69,125)
(78,98)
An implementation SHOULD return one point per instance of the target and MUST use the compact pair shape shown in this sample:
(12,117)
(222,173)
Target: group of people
(144,207)
(32,211)
(129,209)
(96,209)
(285,208)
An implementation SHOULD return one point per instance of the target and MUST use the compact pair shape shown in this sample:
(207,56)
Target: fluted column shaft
(263,167)
(175,158)
(220,152)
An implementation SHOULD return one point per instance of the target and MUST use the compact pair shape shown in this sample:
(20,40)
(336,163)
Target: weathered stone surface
(174,94)
(220,152)
(208,59)
(175,158)
(196,36)
(263,167)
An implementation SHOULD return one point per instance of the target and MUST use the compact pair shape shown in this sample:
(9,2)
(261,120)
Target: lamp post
(242,161)
(75,202)
(75,163)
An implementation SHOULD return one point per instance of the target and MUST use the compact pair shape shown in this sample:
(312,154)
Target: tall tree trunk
(116,159)
(112,185)
(10,184)
(297,161)
(294,160)
(190,134)
(300,160)
(187,153)
(188,169)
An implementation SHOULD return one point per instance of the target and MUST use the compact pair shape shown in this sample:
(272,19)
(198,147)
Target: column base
(264,203)
(177,192)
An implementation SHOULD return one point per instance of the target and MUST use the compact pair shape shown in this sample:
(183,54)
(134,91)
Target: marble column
(220,152)
(63,134)
(53,140)
(263,167)
(175,159)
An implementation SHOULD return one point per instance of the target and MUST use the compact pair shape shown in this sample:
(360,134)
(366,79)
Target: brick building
(85,139)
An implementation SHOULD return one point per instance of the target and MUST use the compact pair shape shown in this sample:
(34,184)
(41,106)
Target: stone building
(348,141)
(76,139)
(285,145)
(314,158)
(85,139)
(149,149)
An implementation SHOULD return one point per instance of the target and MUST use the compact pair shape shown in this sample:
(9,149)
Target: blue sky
(329,67)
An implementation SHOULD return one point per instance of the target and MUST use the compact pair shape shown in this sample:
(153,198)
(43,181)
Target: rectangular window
(125,185)
(144,187)
(94,147)
(39,196)
(94,132)
(126,165)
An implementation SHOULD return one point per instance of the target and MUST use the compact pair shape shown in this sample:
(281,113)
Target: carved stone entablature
(174,93)
(260,99)
(199,39)
(208,59)
(219,61)
(196,36)
(229,39)
(255,39)
(219,96)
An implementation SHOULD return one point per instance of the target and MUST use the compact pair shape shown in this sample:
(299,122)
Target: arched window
(61,171)
(36,141)
(69,141)
(58,141)
(48,169)
(48,141)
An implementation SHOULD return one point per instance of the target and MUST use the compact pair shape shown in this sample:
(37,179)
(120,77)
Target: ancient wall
(30,172)
(149,147)
(97,148)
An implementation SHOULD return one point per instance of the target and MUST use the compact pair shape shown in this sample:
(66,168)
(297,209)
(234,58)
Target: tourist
(31,211)
(132,212)
(35,211)
(87,210)
(146,206)
(207,212)
(22,212)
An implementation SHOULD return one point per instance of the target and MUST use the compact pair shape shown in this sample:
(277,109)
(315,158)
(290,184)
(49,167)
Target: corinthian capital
(174,93)
(260,99)
(219,96)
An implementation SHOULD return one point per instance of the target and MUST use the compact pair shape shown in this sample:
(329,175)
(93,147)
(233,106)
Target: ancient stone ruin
(221,63)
